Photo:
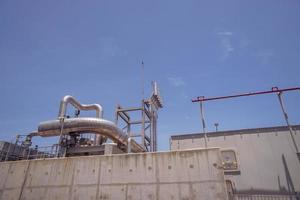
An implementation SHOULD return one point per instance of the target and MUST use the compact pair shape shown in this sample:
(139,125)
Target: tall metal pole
(151,129)
(143,72)
(143,125)
(279,94)
(203,123)
(154,122)
(61,119)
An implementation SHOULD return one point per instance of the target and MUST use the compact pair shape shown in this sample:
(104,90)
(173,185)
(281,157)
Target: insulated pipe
(88,125)
(69,99)
(129,145)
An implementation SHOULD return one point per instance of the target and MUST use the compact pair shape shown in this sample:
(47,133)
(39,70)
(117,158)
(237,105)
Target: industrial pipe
(129,145)
(88,125)
(69,99)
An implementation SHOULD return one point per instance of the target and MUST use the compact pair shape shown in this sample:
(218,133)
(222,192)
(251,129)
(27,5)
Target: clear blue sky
(93,50)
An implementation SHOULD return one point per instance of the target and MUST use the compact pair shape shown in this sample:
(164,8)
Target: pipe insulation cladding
(69,99)
(87,125)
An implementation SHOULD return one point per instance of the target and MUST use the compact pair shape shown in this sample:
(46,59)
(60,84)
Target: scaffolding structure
(147,121)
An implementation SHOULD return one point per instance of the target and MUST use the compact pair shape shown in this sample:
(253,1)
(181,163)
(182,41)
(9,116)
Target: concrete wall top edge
(119,155)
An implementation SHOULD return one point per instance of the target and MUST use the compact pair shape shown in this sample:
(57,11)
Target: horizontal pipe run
(87,125)
(274,90)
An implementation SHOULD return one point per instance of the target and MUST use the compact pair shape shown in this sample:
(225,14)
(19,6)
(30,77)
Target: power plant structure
(95,158)
(92,135)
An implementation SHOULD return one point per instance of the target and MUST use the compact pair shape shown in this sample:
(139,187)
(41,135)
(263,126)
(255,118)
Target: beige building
(256,161)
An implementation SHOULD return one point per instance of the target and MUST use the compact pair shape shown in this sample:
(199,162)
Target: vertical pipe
(155,131)
(151,130)
(117,114)
(128,129)
(129,137)
(143,72)
(129,145)
(203,124)
(61,134)
(287,120)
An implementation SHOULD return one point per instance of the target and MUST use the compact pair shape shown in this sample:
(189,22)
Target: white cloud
(227,47)
(176,81)
(225,38)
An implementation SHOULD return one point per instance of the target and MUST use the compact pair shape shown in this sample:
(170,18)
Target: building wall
(164,175)
(261,158)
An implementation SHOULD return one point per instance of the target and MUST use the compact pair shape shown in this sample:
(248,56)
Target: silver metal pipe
(97,107)
(69,99)
(129,145)
(88,125)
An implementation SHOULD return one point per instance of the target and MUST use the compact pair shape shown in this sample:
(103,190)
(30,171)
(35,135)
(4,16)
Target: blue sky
(93,51)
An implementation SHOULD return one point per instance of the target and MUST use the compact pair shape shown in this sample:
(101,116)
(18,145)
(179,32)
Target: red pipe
(273,90)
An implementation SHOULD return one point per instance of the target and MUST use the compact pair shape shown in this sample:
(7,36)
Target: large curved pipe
(69,99)
(87,125)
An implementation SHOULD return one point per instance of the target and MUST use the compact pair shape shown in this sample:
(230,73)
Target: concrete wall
(260,157)
(183,175)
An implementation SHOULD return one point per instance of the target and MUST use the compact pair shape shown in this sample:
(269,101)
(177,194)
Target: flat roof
(234,132)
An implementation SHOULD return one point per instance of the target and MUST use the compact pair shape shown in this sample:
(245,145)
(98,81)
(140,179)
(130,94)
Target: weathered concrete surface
(183,175)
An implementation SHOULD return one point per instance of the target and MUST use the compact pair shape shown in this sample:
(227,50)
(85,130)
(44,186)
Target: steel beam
(273,90)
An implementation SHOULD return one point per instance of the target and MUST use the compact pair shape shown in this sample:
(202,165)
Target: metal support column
(143,125)
(203,123)
(61,119)
(279,94)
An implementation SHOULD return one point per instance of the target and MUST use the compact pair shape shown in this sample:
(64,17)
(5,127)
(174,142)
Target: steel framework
(276,90)
(273,90)
(148,121)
